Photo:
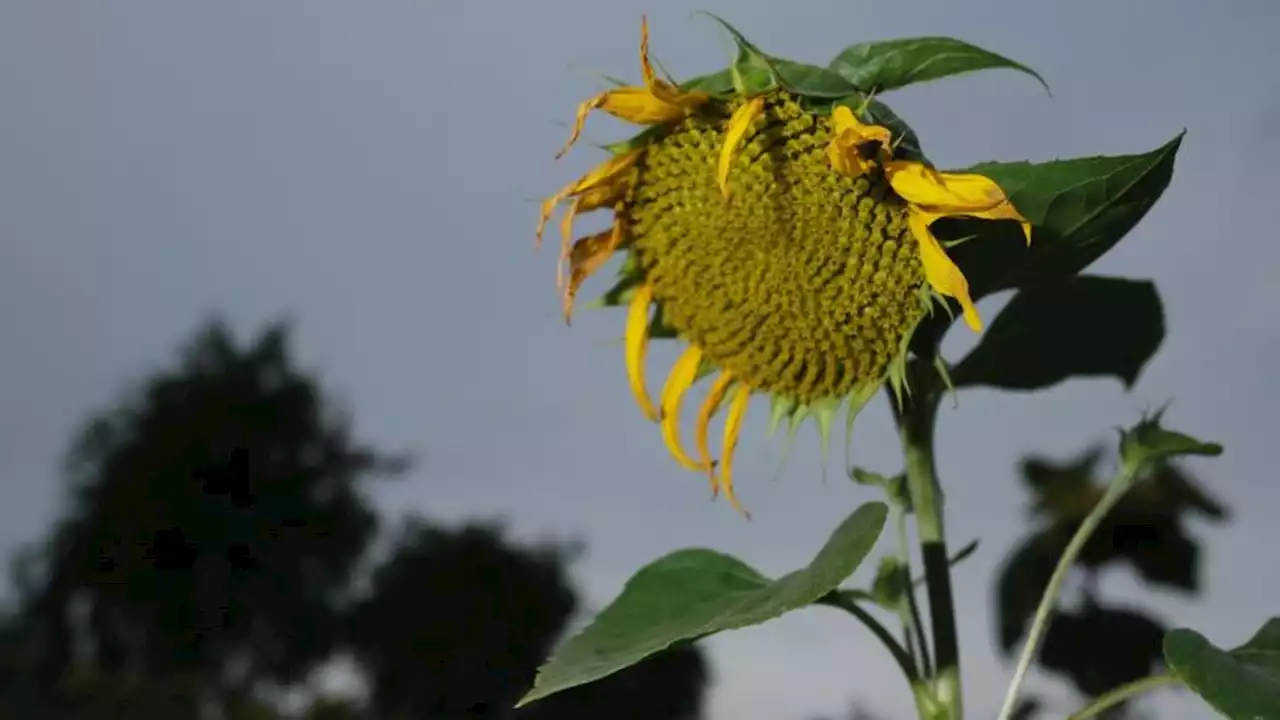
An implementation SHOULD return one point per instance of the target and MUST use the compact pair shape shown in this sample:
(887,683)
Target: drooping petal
(636,344)
(591,200)
(610,176)
(660,88)
(739,124)
(845,151)
(587,255)
(941,272)
(1004,211)
(708,410)
(732,428)
(942,192)
(678,382)
(657,102)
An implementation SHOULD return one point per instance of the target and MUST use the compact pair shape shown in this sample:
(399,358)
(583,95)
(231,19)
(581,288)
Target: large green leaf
(883,65)
(1077,327)
(1243,684)
(694,593)
(1079,209)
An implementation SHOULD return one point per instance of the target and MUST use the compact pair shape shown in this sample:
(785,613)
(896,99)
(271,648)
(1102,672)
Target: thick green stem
(908,608)
(1044,613)
(1108,700)
(915,427)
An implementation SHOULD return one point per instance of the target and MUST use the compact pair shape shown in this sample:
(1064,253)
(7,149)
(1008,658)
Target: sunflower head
(778,231)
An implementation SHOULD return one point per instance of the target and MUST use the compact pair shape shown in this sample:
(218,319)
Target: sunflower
(783,241)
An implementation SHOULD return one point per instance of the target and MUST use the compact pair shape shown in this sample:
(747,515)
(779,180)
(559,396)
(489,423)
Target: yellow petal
(588,254)
(845,151)
(678,382)
(580,119)
(1005,211)
(640,106)
(609,176)
(739,124)
(566,241)
(941,192)
(659,88)
(646,70)
(656,102)
(636,342)
(943,274)
(732,428)
(708,410)
(591,200)
(848,125)
(846,159)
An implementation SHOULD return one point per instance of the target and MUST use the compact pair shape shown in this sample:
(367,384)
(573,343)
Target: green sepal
(857,400)
(780,406)
(659,328)
(881,65)
(629,278)
(705,368)
(795,418)
(824,413)
(644,138)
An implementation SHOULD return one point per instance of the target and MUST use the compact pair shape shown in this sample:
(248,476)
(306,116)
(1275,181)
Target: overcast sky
(369,169)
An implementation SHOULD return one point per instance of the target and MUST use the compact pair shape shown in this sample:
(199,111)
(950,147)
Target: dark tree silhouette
(456,623)
(215,519)
(1146,531)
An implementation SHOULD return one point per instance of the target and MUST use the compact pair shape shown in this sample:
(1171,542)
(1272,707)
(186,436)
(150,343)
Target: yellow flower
(784,246)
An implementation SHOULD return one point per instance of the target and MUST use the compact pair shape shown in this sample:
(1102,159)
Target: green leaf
(799,78)
(1079,209)
(1084,326)
(1148,442)
(755,80)
(691,594)
(811,80)
(888,64)
(1243,684)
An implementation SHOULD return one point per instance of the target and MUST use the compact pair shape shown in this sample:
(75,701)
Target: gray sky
(368,169)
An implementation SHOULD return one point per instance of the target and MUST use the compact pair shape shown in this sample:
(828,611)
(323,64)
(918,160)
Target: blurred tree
(1146,531)
(215,520)
(457,622)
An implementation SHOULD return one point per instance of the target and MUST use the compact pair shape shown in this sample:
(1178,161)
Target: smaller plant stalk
(916,417)
(1110,699)
(1116,489)
(926,705)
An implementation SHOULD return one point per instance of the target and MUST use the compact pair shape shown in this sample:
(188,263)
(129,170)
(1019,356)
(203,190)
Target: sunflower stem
(915,417)
(1116,489)
(908,609)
